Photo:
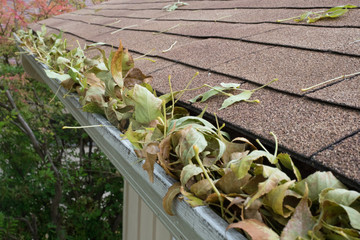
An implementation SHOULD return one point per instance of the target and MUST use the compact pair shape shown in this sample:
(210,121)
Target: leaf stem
(196,150)
(276,143)
(186,88)
(267,84)
(165,121)
(172,98)
(330,80)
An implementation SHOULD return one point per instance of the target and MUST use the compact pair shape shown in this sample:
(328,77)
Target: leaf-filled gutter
(212,170)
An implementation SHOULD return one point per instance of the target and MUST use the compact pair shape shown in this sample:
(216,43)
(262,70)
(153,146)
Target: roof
(240,41)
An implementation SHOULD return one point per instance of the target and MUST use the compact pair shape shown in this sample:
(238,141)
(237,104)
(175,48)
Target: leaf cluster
(229,175)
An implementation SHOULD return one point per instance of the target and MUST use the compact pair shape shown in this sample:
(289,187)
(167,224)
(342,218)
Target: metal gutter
(188,223)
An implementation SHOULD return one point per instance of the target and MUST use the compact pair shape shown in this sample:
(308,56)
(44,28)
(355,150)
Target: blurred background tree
(54,183)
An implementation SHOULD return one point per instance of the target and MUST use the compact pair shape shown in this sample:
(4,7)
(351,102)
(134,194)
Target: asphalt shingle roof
(240,41)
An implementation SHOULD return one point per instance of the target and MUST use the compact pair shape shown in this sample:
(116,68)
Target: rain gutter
(188,223)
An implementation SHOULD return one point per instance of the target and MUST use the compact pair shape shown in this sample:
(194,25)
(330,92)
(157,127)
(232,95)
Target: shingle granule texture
(240,41)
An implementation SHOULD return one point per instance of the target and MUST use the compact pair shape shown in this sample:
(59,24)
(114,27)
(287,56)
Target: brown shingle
(321,127)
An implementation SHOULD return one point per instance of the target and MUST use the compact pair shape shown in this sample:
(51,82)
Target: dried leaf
(116,66)
(164,154)
(169,197)
(273,175)
(256,229)
(231,147)
(275,199)
(229,183)
(151,150)
(201,189)
(93,80)
(300,223)
(135,76)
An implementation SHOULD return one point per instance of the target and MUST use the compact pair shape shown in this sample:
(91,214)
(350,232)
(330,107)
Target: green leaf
(317,182)
(244,96)
(256,229)
(184,122)
(147,106)
(206,95)
(342,233)
(285,160)
(191,199)
(336,13)
(188,172)
(242,166)
(230,85)
(134,137)
(341,196)
(189,138)
(52,74)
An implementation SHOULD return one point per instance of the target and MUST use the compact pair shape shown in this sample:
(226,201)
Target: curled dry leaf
(169,197)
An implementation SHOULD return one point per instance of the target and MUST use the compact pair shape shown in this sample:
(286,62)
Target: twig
(172,45)
(329,81)
(135,25)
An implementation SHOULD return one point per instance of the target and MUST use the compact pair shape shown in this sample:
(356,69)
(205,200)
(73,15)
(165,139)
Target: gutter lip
(188,223)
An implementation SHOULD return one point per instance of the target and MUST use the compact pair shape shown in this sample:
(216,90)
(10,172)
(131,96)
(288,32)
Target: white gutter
(188,223)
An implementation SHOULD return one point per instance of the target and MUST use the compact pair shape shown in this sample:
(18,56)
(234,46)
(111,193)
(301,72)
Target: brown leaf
(252,212)
(169,197)
(201,189)
(229,183)
(214,198)
(256,229)
(164,154)
(231,147)
(68,84)
(300,223)
(93,80)
(151,150)
(135,76)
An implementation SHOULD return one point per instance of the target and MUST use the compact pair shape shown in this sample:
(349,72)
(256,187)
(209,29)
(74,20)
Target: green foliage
(261,200)
(311,17)
(91,189)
